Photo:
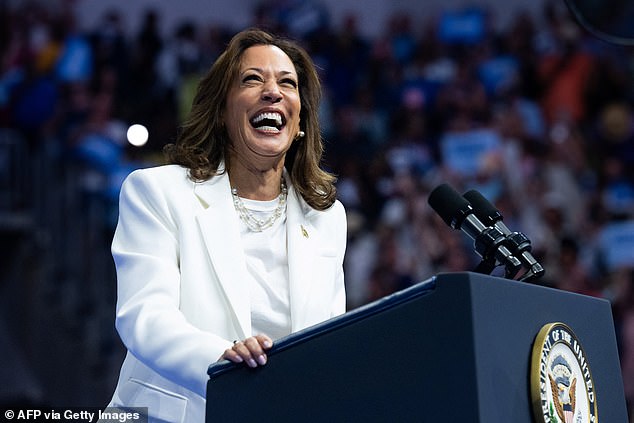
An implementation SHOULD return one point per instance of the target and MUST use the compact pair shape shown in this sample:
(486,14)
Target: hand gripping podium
(455,348)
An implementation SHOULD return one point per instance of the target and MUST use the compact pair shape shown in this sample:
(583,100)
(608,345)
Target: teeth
(269,115)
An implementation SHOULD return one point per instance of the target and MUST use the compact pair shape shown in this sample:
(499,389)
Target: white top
(267,263)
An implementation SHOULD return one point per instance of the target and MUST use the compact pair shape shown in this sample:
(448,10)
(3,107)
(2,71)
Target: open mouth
(271,122)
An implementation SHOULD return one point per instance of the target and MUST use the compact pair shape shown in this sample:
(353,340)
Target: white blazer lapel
(220,231)
(303,273)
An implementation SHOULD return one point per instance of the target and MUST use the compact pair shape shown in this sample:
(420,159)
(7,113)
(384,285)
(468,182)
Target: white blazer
(182,291)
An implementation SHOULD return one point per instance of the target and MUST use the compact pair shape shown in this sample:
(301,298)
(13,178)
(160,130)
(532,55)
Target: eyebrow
(284,72)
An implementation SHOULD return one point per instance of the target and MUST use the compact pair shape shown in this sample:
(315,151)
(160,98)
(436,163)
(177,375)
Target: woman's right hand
(250,351)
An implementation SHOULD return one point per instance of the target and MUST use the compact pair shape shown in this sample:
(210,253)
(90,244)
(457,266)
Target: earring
(300,134)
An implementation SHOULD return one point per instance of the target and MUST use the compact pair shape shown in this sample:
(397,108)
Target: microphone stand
(487,244)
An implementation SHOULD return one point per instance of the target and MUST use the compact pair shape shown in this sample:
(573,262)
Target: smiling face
(263,105)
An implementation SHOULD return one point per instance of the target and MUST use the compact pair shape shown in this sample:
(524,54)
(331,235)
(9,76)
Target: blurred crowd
(537,116)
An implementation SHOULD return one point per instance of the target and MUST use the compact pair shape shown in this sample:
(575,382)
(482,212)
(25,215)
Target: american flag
(569,413)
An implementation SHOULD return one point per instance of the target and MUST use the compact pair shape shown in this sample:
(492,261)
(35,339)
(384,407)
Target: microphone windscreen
(483,208)
(449,205)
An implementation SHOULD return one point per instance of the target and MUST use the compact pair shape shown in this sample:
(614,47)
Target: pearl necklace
(252,222)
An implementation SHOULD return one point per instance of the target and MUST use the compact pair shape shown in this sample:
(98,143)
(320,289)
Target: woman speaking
(238,241)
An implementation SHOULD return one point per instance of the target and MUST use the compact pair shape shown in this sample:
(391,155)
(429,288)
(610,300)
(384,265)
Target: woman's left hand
(250,351)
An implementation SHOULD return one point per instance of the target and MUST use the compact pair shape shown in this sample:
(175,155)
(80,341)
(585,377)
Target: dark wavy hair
(202,141)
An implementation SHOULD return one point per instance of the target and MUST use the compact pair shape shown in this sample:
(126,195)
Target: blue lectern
(455,348)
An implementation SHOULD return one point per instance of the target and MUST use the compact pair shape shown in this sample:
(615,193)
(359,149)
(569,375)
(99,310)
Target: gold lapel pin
(304,231)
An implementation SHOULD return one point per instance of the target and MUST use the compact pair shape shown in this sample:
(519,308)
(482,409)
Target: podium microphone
(516,242)
(489,242)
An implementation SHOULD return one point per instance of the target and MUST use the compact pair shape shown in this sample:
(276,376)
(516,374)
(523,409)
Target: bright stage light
(137,135)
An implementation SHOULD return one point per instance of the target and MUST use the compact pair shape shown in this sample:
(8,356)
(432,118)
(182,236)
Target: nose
(271,93)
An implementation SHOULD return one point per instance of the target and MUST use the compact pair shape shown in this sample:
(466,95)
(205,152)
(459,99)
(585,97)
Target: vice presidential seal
(562,388)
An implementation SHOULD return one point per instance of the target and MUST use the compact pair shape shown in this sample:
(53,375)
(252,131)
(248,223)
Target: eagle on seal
(564,398)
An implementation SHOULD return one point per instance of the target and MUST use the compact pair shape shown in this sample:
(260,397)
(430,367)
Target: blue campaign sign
(464,152)
(616,242)
(75,62)
(466,26)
